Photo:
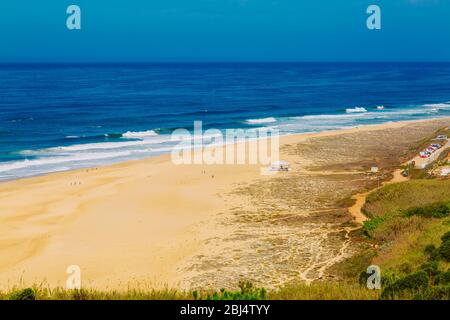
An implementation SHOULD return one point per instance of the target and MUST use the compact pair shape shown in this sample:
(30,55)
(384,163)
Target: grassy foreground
(315,291)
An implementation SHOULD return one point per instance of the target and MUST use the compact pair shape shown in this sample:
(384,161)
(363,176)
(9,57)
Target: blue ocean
(56,117)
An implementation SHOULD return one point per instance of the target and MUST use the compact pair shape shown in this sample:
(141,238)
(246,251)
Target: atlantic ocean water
(56,117)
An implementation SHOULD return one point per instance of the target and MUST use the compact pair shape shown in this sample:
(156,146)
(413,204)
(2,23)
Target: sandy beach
(152,223)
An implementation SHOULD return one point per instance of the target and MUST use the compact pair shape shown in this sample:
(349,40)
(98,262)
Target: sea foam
(262,120)
(8,166)
(139,134)
(356,110)
(437,105)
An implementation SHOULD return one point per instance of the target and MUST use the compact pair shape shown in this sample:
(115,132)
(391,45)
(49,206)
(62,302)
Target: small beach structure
(281,166)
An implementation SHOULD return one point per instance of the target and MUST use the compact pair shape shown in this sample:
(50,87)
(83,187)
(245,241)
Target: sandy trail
(356,209)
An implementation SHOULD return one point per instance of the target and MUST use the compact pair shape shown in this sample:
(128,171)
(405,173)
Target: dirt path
(356,209)
(359,218)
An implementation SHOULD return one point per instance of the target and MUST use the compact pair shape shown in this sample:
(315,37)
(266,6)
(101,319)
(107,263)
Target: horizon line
(221,62)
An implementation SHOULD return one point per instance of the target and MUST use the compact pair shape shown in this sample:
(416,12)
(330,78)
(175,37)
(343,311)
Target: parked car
(436,145)
(425,154)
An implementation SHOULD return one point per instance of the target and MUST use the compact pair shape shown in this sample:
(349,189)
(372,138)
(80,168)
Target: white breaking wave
(149,143)
(437,105)
(334,116)
(139,134)
(353,116)
(61,159)
(88,146)
(99,146)
(263,120)
(356,110)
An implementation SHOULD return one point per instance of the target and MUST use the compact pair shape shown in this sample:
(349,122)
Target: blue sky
(224,30)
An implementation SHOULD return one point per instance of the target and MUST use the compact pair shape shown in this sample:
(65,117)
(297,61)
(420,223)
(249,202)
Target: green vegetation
(435,210)
(25,294)
(411,225)
(428,282)
(42,293)
(324,291)
(247,292)
(395,198)
(300,291)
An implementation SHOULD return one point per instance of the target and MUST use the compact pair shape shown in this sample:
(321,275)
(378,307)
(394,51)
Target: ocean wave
(437,105)
(366,115)
(356,110)
(60,159)
(85,150)
(113,135)
(91,146)
(262,120)
(94,146)
(127,135)
(334,116)
(139,134)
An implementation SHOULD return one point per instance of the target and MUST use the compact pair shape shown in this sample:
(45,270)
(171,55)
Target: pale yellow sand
(134,221)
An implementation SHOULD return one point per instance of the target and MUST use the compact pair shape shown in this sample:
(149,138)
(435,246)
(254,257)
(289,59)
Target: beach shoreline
(151,223)
(283,139)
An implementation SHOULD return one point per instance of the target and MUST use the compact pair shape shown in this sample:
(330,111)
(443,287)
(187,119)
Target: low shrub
(435,210)
(444,251)
(247,292)
(372,224)
(446,237)
(394,227)
(429,249)
(406,285)
(434,293)
(25,294)
(431,268)
(443,278)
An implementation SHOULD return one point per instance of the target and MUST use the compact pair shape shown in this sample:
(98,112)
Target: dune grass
(406,217)
(38,292)
(408,222)
(325,291)
(395,198)
(299,291)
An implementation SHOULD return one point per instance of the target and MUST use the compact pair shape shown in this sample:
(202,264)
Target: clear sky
(224,30)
